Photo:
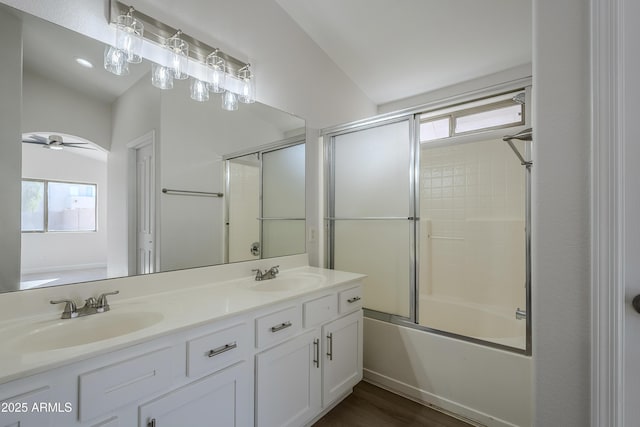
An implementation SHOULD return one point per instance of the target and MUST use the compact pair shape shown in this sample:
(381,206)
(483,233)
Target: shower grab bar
(371,218)
(525,135)
(190,193)
(445,238)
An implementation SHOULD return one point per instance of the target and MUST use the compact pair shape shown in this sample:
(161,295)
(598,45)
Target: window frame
(45,229)
(465,112)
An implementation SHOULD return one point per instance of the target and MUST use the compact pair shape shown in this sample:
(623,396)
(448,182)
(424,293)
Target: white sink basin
(292,282)
(84,330)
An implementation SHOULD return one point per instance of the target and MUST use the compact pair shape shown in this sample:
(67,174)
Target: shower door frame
(412,115)
(259,151)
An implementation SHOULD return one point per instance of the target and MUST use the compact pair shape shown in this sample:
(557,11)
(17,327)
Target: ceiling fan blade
(74,143)
(74,146)
(34,142)
(41,139)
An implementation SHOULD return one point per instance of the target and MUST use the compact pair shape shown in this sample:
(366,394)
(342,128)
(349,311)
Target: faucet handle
(275,269)
(70,309)
(102,304)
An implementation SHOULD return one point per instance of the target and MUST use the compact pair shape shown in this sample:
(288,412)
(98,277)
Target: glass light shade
(115,61)
(229,101)
(216,69)
(161,77)
(129,33)
(179,58)
(248,87)
(199,90)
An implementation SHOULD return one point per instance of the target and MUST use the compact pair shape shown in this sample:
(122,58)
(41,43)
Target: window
(58,206)
(495,114)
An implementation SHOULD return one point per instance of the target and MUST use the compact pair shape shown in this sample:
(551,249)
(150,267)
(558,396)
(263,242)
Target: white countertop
(179,310)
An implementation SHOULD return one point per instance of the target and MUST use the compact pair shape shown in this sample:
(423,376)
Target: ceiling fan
(54,142)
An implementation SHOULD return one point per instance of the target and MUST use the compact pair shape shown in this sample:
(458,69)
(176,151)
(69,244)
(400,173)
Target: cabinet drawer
(277,326)
(350,300)
(110,387)
(319,310)
(217,350)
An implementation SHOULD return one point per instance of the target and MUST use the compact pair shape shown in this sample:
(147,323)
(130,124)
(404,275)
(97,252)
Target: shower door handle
(636,303)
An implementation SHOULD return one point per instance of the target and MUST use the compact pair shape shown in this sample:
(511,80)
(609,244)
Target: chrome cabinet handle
(354,299)
(636,303)
(316,347)
(222,349)
(151,423)
(281,326)
(330,345)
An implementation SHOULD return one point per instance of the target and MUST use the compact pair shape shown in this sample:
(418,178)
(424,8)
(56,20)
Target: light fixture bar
(158,32)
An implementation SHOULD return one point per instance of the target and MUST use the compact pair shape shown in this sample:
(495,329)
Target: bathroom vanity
(231,350)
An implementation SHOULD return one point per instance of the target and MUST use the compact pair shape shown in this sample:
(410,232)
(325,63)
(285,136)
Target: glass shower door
(472,240)
(371,220)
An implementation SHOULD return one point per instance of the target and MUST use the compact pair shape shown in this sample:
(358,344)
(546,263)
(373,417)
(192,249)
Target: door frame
(607,211)
(148,138)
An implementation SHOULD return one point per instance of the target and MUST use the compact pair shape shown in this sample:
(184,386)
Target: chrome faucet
(91,306)
(268,274)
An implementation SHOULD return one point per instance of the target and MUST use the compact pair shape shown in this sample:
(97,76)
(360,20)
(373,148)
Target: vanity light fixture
(179,56)
(115,61)
(199,90)
(129,32)
(229,101)
(216,68)
(247,85)
(161,76)
(173,55)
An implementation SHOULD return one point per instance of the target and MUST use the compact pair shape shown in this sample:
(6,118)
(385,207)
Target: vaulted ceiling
(393,49)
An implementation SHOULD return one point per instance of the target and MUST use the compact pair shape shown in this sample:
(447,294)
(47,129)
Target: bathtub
(493,324)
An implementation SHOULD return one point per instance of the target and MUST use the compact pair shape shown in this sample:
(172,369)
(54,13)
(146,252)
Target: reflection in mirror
(265,203)
(128,140)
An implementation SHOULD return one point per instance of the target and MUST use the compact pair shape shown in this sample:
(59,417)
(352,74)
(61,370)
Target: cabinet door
(18,406)
(222,399)
(342,356)
(288,382)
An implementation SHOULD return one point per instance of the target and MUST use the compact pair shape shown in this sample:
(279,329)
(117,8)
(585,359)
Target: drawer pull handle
(280,327)
(354,299)
(330,342)
(220,350)
(151,423)
(316,347)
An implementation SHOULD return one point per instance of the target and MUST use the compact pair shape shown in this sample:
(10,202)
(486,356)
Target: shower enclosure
(434,207)
(265,207)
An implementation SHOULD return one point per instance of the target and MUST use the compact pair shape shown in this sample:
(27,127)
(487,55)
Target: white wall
(73,112)
(10,157)
(135,114)
(561,306)
(53,251)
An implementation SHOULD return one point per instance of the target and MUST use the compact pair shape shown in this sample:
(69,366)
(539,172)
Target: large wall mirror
(146,180)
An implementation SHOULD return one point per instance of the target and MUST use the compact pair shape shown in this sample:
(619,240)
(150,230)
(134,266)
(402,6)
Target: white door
(222,399)
(288,383)
(631,202)
(342,357)
(145,210)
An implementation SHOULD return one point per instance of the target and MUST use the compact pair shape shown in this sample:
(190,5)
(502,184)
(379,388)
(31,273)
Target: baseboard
(54,269)
(447,406)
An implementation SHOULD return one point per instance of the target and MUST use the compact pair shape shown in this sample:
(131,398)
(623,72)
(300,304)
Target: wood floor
(371,406)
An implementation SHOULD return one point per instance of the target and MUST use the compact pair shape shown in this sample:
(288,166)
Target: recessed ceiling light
(83,62)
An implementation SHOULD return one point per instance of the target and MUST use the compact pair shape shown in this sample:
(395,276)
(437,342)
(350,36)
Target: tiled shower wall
(472,229)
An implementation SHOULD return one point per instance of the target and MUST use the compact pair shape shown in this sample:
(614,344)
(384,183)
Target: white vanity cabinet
(299,378)
(221,399)
(288,382)
(342,356)
(275,364)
